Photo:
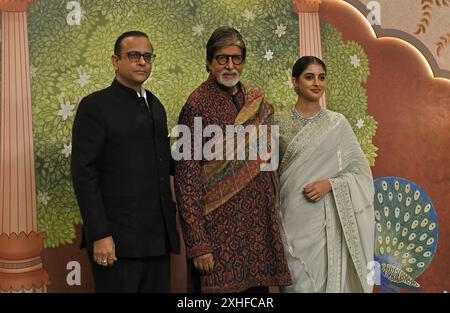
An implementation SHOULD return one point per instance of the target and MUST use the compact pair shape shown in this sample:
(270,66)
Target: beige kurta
(328,243)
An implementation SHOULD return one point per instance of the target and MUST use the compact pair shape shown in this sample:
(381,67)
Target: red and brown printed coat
(243,234)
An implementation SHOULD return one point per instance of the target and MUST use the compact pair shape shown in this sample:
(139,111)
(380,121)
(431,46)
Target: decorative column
(309,30)
(21,267)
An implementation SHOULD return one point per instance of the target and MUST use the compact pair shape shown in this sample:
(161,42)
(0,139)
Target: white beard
(227,82)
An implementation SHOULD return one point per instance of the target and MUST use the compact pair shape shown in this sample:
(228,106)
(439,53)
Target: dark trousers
(133,275)
(193,277)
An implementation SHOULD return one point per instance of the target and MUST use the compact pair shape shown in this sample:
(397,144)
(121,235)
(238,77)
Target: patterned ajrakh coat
(243,233)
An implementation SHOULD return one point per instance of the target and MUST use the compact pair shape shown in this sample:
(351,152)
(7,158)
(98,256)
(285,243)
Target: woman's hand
(316,191)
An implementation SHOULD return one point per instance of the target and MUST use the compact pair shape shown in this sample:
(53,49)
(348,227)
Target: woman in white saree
(326,191)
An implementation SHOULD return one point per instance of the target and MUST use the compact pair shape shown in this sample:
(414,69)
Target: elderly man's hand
(204,263)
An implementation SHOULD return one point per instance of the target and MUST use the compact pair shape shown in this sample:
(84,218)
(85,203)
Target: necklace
(303,118)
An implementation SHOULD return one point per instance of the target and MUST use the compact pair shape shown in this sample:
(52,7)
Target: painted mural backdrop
(406,234)
(383,87)
(425,20)
(70,47)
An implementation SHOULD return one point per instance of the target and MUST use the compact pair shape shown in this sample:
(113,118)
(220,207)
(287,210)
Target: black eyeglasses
(222,59)
(135,56)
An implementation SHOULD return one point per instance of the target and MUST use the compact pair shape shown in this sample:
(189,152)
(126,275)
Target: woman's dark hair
(305,61)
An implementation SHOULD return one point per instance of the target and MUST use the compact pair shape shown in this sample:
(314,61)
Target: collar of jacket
(129,91)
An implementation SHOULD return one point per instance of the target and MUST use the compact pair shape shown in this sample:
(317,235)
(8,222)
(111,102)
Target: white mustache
(225,71)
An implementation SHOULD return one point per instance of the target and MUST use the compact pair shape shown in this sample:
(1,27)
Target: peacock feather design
(406,232)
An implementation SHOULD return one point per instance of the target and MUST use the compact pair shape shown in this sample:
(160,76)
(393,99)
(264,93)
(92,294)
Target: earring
(297,90)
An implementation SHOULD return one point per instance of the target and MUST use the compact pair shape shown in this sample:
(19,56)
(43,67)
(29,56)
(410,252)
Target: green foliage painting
(71,43)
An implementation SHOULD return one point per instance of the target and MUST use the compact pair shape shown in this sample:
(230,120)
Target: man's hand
(316,191)
(204,263)
(104,251)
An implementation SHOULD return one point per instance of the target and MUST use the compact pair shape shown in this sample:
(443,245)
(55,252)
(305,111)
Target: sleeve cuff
(197,251)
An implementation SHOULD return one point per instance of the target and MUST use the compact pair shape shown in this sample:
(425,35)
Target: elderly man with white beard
(228,206)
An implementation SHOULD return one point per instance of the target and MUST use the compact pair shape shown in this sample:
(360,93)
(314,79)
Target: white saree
(329,243)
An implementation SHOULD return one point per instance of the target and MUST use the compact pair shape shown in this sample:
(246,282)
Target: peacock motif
(406,232)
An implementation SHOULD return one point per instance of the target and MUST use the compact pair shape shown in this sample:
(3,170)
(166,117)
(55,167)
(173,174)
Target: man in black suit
(121,166)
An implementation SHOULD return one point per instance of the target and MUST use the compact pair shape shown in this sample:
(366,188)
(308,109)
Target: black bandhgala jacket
(121,164)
